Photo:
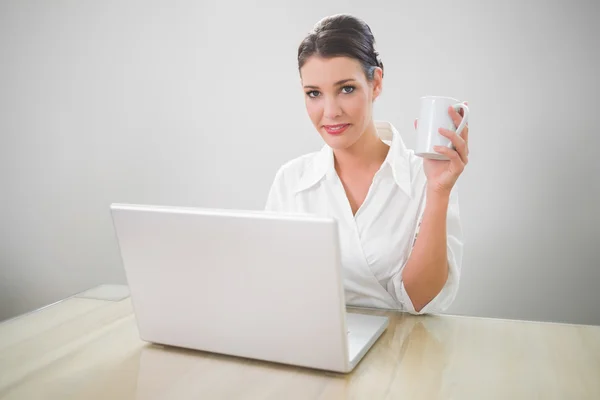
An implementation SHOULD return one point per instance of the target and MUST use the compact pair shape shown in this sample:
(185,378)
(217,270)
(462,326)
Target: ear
(377,82)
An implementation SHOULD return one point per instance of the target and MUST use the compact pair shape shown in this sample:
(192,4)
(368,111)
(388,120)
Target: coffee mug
(434,115)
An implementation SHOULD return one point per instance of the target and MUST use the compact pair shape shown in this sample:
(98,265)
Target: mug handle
(465,118)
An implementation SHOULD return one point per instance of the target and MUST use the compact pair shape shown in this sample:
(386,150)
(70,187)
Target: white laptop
(250,284)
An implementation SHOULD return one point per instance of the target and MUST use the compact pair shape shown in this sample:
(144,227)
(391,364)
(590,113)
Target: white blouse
(375,243)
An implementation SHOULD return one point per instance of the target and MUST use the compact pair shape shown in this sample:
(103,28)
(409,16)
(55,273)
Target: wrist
(436,196)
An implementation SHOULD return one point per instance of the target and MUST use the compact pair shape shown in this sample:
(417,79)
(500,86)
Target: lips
(336,129)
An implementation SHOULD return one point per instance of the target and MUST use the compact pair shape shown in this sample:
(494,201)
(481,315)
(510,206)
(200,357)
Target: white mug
(434,115)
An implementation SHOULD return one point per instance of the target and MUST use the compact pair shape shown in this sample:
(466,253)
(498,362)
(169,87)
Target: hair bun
(342,35)
(378,59)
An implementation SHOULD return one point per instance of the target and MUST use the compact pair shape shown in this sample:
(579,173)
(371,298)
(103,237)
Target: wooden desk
(87,347)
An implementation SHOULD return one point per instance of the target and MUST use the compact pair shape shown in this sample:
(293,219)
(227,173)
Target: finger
(416,122)
(455,160)
(456,117)
(465,133)
(458,142)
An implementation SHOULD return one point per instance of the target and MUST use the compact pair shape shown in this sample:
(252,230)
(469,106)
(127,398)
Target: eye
(313,94)
(348,89)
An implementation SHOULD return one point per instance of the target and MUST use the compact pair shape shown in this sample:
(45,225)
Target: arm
(430,276)
(429,279)
(426,271)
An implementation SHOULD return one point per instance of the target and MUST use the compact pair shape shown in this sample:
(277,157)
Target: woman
(381,194)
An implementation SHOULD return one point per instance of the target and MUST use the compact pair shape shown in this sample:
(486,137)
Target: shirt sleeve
(454,244)
(277,194)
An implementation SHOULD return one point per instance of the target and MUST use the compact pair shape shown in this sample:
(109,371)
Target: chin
(336,142)
(340,142)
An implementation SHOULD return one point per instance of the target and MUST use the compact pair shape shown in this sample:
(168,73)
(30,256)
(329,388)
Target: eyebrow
(338,83)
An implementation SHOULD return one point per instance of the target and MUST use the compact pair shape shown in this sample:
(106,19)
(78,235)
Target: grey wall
(161,103)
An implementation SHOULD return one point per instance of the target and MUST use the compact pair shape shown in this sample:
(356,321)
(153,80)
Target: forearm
(426,270)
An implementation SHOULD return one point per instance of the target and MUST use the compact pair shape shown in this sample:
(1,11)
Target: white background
(197,103)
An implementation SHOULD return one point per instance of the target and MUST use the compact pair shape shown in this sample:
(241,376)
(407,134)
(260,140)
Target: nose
(332,108)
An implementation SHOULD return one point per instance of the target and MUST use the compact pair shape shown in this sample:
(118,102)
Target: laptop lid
(245,283)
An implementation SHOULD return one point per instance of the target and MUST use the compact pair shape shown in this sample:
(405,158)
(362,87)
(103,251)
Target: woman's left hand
(443,174)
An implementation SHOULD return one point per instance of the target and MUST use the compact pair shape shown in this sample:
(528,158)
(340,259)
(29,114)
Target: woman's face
(339,98)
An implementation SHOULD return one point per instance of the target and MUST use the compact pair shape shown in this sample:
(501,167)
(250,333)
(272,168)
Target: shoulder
(291,172)
(404,159)
(288,179)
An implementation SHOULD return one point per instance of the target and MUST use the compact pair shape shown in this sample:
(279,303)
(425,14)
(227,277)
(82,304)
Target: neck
(368,152)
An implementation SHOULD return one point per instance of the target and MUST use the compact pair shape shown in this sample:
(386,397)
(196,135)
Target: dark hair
(341,35)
